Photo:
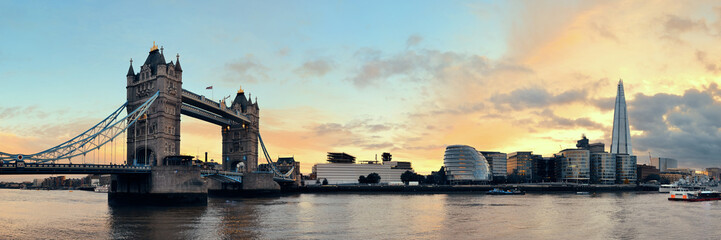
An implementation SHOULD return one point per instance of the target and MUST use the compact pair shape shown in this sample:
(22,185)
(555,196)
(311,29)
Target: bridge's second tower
(157,134)
(240,141)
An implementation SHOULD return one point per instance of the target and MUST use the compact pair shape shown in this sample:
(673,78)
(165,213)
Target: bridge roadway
(198,106)
(49,168)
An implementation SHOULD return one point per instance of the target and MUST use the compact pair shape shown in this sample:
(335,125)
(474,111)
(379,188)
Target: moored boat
(666,188)
(498,191)
(102,189)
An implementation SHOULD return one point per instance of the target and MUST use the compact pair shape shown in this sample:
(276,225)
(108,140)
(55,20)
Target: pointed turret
(177,63)
(130,71)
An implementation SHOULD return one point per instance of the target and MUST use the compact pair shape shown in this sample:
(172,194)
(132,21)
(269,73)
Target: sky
(367,77)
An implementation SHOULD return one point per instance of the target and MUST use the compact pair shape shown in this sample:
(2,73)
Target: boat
(583,193)
(666,188)
(498,191)
(102,189)
(694,195)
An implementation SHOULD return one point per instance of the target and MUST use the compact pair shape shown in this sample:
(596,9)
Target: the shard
(621,141)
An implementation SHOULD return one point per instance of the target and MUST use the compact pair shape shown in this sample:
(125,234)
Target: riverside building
(603,168)
(465,165)
(498,162)
(342,169)
(574,165)
(625,169)
(521,163)
(602,164)
(663,164)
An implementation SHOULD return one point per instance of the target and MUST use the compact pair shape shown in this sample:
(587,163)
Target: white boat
(102,189)
(683,192)
(694,194)
(666,188)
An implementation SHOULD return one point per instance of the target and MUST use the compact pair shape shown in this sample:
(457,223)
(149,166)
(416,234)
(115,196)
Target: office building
(663,164)
(574,166)
(464,164)
(603,168)
(642,171)
(341,169)
(521,163)
(498,163)
(544,169)
(625,169)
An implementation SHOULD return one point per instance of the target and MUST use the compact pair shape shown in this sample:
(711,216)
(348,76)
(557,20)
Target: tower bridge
(154,173)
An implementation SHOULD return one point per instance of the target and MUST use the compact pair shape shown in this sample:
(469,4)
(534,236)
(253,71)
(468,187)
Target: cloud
(548,119)
(314,68)
(413,40)
(676,24)
(685,127)
(283,52)
(702,58)
(536,97)
(247,69)
(604,31)
(428,66)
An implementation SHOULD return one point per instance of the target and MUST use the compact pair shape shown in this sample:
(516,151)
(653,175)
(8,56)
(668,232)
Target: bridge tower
(156,135)
(240,141)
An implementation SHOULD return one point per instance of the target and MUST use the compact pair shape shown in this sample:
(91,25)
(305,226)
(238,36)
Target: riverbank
(472,188)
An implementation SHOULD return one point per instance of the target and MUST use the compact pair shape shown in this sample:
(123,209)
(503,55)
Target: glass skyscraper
(621,137)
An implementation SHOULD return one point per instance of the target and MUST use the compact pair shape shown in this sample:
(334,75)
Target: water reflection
(86,215)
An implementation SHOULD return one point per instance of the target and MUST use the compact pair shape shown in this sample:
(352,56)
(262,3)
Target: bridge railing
(202,99)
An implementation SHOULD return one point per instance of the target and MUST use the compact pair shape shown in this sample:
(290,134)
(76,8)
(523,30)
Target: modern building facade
(521,163)
(498,163)
(603,168)
(663,164)
(621,137)
(625,169)
(348,173)
(574,166)
(464,164)
(544,169)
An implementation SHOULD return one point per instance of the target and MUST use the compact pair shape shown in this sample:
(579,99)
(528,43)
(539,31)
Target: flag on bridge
(211,87)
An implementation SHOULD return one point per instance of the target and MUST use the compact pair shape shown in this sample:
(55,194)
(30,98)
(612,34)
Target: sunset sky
(367,77)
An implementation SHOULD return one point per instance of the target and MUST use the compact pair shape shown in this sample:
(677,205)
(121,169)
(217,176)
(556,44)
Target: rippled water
(28,214)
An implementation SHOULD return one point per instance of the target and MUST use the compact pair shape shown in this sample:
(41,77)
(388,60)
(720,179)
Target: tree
(408,176)
(652,177)
(362,179)
(373,178)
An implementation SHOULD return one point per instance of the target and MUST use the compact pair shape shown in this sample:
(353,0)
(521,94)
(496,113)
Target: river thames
(32,214)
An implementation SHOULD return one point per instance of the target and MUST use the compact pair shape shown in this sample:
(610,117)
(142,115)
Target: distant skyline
(376,76)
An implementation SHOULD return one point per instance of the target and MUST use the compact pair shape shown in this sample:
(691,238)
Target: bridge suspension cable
(92,139)
(272,164)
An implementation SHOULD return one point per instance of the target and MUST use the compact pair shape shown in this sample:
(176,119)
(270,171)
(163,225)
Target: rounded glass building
(463,164)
